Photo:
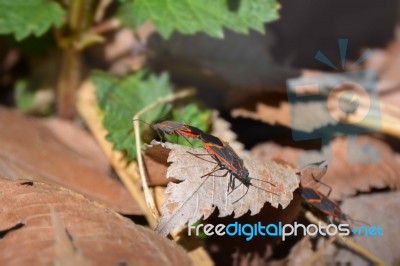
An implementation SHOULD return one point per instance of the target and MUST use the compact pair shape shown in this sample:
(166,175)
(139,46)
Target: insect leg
(322,183)
(241,196)
(198,156)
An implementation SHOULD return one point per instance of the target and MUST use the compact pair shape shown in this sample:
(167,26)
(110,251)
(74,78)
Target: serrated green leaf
(25,17)
(193,115)
(121,99)
(191,16)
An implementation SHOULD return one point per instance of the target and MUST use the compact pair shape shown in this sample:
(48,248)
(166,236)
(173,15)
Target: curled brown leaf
(31,235)
(30,150)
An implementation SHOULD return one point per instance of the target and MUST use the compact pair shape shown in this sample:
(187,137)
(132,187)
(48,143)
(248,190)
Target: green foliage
(23,97)
(121,99)
(194,115)
(25,17)
(26,99)
(191,16)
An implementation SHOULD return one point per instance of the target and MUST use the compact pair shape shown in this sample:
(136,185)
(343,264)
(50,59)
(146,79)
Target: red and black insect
(227,159)
(175,128)
(222,153)
(322,203)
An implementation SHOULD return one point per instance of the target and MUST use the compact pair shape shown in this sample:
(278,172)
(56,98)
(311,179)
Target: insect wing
(223,156)
(191,132)
(236,161)
(211,140)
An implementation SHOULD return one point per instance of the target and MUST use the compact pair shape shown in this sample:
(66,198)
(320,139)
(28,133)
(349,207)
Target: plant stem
(69,77)
(135,120)
(348,242)
(68,82)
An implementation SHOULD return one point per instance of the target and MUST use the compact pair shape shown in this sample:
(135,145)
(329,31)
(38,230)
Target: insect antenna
(248,191)
(185,139)
(140,120)
(355,221)
(234,188)
(268,191)
(266,181)
(241,196)
(160,135)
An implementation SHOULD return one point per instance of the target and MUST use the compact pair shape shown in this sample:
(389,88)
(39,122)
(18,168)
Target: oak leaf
(200,192)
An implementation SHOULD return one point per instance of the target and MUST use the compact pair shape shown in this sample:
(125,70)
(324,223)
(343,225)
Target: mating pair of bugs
(221,152)
(227,159)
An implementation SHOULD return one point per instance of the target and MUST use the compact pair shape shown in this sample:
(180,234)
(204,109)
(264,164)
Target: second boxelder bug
(322,203)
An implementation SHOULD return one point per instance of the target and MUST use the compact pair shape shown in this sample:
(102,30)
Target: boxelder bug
(322,203)
(175,128)
(170,128)
(318,200)
(227,159)
(222,153)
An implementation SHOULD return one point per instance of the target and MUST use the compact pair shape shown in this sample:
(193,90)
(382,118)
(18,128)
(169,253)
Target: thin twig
(347,241)
(170,98)
(102,5)
(105,27)
(127,172)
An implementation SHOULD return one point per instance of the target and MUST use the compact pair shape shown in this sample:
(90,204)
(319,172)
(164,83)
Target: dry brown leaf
(274,108)
(235,250)
(344,177)
(386,62)
(195,197)
(30,150)
(66,252)
(101,235)
(271,108)
(301,253)
(157,165)
(222,129)
(377,209)
(373,113)
(78,141)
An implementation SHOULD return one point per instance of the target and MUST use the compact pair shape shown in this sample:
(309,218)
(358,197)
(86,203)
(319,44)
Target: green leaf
(121,99)
(25,17)
(193,115)
(23,97)
(191,16)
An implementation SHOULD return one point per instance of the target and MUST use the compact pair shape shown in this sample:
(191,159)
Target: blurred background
(243,83)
